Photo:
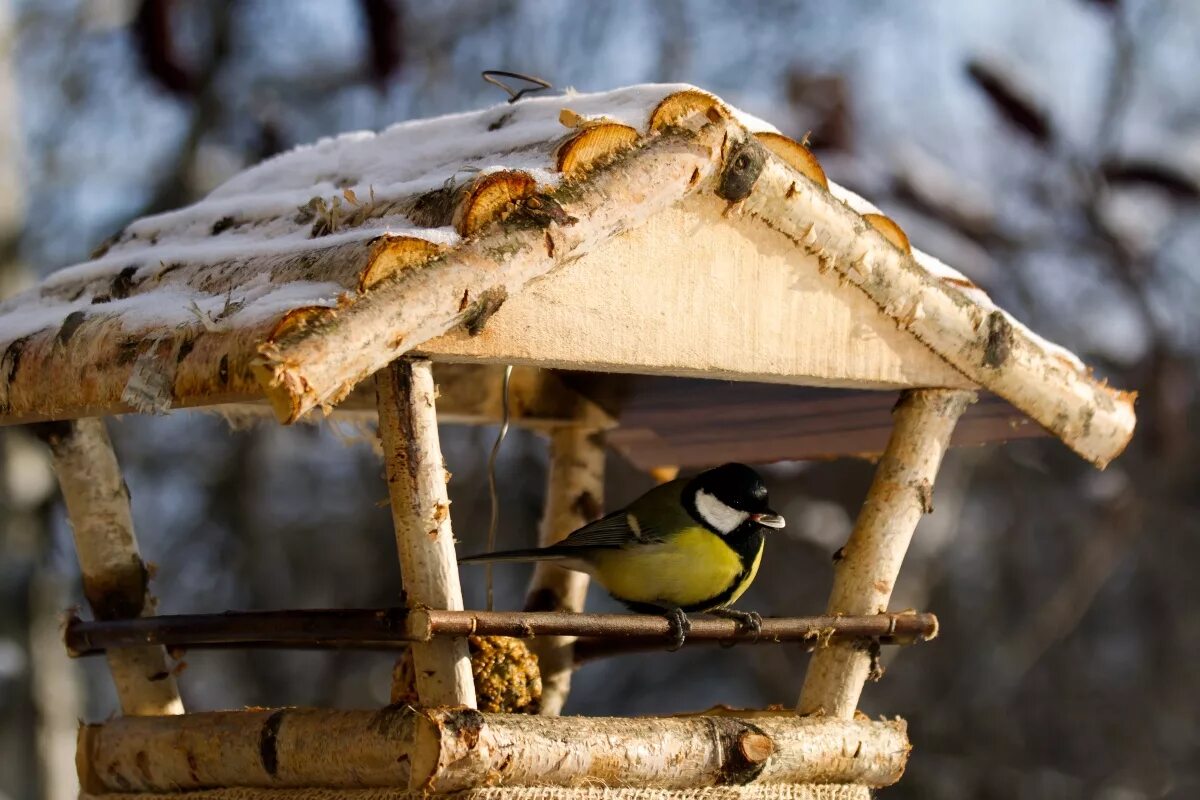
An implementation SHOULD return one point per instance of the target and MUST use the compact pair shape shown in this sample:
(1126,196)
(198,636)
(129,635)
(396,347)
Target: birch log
(321,362)
(974,337)
(900,494)
(574,497)
(278,748)
(115,579)
(416,476)
(445,750)
(455,750)
(789,791)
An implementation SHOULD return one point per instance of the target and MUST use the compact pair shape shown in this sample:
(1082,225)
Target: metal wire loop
(493,76)
(494,523)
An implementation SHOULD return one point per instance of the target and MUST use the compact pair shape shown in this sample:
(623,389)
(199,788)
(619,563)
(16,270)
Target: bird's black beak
(769,519)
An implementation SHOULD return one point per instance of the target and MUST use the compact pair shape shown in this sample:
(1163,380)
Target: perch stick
(395,628)
(574,497)
(115,579)
(900,494)
(416,477)
(446,749)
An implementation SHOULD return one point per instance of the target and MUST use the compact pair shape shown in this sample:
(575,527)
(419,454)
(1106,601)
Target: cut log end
(756,747)
(394,254)
(296,320)
(890,231)
(592,145)
(664,474)
(795,155)
(286,403)
(679,106)
(488,198)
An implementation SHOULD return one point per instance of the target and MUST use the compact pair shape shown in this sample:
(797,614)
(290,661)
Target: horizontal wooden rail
(438,751)
(395,628)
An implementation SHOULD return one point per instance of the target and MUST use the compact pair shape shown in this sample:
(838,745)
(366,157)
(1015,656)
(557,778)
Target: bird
(691,545)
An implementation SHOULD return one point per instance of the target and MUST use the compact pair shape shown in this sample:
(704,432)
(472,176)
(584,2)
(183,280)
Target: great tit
(689,545)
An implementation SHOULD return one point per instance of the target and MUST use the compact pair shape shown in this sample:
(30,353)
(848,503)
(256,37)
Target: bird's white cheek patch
(717,514)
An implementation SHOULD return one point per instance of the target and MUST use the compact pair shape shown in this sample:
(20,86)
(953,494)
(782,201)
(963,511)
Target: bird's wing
(618,529)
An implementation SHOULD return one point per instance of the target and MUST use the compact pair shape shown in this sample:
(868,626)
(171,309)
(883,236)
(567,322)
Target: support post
(574,497)
(416,477)
(115,579)
(901,493)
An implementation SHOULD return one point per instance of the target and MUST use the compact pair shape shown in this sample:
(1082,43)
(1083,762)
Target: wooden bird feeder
(622,250)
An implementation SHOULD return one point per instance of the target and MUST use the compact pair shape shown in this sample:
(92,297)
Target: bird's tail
(532,554)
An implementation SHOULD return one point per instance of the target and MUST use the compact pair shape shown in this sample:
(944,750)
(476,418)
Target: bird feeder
(622,250)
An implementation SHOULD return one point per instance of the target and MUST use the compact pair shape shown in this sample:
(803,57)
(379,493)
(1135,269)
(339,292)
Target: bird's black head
(729,496)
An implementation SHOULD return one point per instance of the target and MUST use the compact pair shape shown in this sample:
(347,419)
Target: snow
(261,204)
(259,207)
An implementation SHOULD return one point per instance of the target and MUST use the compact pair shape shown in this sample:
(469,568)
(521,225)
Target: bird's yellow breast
(690,568)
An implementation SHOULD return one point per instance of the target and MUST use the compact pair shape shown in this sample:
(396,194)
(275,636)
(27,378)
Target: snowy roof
(298,277)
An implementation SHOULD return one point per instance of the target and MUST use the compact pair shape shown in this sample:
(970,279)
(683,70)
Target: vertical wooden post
(574,497)
(115,579)
(901,493)
(416,477)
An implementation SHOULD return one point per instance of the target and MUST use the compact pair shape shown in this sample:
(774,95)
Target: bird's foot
(679,625)
(748,621)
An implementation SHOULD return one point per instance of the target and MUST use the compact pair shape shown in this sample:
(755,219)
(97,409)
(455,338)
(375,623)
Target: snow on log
(446,750)
(960,325)
(305,274)
(321,363)
(115,579)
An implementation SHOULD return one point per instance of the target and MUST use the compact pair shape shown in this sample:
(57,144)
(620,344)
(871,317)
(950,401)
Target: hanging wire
(493,76)
(494,523)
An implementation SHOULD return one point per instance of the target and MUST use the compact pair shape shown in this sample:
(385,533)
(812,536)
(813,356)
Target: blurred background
(1050,149)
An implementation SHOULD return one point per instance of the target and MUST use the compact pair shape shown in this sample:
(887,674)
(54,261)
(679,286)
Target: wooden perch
(984,344)
(445,750)
(321,363)
(901,493)
(115,579)
(417,477)
(391,628)
(574,497)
